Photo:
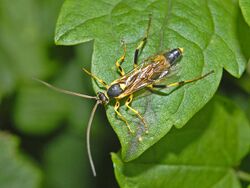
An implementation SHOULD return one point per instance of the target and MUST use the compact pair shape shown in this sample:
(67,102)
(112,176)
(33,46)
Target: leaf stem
(243,175)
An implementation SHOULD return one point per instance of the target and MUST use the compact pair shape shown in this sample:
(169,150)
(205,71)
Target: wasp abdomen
(174,55)
(114,90)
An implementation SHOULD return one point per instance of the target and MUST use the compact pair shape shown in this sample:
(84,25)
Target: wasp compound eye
(174,55)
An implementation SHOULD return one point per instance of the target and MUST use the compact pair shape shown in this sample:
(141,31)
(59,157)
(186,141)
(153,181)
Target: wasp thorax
(174,55)
(102,97)
(114,90)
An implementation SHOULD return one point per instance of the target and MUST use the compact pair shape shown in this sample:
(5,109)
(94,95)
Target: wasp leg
(119,62)
(182,82)
(129,100)
(96,78)
(152,87)
(142,43)
(117,105)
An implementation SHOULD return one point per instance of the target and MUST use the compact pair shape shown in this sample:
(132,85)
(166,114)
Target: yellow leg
(182,82)
(142,43)
(129,100)
(119,62)
(117,105)
(153,87)
(96,78)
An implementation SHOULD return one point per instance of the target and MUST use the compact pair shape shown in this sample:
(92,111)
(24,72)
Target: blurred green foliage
(42,136)
(50,126)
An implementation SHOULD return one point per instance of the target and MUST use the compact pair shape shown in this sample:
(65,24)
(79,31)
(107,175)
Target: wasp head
(103,98)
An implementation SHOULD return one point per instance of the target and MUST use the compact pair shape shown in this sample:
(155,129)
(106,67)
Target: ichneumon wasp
(146,75)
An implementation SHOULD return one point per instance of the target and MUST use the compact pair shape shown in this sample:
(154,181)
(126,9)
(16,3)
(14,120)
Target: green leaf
(64,158)
(244,83)
(205,152)
(6,80)
(23,52)
(245,8)
(206,30)
(39,110)
(15,170)
(244,38)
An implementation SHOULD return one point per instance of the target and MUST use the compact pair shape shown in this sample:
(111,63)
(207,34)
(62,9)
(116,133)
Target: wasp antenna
(210,72)
(96,78)
(65,91)
(88,137)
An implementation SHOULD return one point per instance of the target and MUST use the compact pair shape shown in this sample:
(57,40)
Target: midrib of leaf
(191,168)
(186,166)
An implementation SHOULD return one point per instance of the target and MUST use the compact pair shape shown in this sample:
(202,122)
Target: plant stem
(243,175)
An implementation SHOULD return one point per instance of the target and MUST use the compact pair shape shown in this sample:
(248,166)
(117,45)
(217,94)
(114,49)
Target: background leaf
(15,169)
(34,101)
(206,30)
(245,8)
(22,53)
(205,152)
(42,118)
(64,158)
(32,113)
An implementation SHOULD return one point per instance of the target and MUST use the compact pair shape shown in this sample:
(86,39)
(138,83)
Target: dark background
(51,126)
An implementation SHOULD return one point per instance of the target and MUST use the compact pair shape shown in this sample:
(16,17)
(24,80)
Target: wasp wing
(146,74)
